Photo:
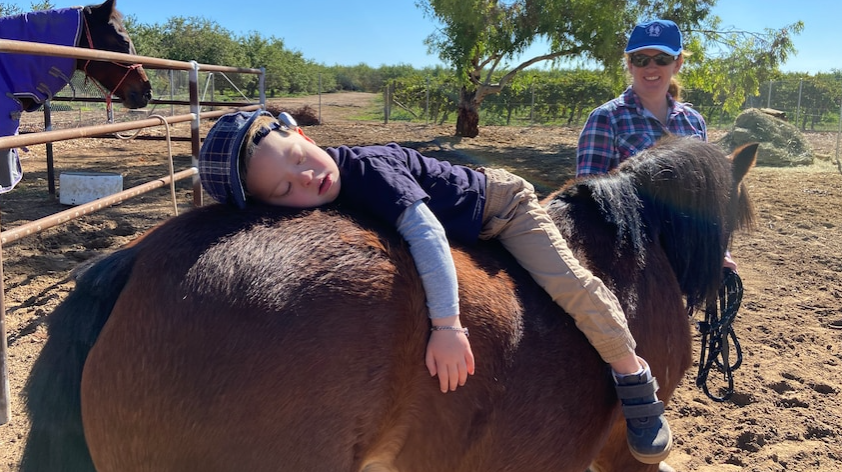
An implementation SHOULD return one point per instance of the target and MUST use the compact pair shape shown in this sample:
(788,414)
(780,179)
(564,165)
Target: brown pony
(267,340)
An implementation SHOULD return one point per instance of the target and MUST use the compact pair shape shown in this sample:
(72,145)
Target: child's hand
(449,355)
(729,263)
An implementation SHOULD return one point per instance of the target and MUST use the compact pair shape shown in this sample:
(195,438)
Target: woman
(649,109)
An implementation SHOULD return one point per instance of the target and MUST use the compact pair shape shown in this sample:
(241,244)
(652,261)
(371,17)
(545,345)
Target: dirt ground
(784,415)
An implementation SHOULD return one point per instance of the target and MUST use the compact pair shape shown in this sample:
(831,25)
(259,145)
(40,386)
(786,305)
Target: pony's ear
(742,159)
(105,8)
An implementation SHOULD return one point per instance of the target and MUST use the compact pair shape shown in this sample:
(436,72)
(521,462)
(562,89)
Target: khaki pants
(514,216)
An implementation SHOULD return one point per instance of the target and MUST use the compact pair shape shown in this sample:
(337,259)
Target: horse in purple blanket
(27,81)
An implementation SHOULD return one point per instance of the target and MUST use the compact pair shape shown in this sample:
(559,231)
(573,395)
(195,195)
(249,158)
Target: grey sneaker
(647,431)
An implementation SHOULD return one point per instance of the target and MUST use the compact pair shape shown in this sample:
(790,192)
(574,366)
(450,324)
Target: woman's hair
(675,84)
(249,146)
(675,89)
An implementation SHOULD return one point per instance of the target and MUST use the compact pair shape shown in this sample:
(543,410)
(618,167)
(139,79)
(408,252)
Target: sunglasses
(642,60)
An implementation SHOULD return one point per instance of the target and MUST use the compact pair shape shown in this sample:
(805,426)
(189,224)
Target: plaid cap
(662,35)
(219,158)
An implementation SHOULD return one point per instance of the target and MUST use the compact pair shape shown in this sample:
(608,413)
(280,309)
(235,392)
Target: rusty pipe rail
(40,49)
(42,137)
(62,217)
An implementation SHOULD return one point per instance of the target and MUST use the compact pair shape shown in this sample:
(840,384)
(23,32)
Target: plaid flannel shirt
(621,128)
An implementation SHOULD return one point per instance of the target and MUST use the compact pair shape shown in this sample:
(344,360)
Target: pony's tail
(56,441)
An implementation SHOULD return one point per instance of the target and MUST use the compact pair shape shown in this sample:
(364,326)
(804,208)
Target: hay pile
(304,115)
(781,143)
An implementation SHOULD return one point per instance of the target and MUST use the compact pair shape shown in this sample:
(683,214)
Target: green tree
(353,78)
(478,37)
(730,65)
(148,40)
(198,39)
(268,53)
(205,41)
(8,9)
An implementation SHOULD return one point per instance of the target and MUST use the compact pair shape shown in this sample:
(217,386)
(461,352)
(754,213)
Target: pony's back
(289,334)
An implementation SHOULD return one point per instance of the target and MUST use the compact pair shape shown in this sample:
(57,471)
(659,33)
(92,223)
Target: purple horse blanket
(34,77)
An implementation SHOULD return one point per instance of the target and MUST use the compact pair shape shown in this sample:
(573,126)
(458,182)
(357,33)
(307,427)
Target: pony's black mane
(675,196)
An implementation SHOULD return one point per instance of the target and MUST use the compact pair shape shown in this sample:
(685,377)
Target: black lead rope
(716,331)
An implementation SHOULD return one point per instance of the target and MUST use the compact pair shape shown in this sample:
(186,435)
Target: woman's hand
(728,262)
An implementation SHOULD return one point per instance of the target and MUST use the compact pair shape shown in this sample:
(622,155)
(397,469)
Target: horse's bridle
(716,331)
(129,68)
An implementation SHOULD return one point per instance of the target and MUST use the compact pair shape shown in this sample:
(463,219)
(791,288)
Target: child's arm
(448,351)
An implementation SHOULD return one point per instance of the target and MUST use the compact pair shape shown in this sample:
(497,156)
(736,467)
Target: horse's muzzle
(137,98)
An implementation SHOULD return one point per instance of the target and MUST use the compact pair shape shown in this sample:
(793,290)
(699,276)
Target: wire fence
(811,106)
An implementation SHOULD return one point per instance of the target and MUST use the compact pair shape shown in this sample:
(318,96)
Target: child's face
(287,170)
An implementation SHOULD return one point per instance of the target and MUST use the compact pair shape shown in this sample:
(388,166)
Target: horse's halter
(129,68)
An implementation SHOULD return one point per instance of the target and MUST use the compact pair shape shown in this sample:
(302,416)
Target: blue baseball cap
(662,35)
(219,158)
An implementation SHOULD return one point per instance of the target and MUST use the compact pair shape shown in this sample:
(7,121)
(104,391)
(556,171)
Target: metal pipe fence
(47,135)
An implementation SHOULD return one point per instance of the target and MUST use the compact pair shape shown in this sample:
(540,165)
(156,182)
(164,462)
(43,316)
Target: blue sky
(390,32)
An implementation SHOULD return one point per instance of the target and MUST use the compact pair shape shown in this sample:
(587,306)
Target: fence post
(213,89)
(320,98)
(5,389)
(195,140)
(427,103)
(172,92)
(532,106)
(769,97)
(51,171)
(261,84)
(798,108)
(387,103)
(838,134)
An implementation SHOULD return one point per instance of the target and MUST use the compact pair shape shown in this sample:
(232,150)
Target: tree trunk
(467,123)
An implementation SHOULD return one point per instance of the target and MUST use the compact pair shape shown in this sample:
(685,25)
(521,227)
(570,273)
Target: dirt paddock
(784,415)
